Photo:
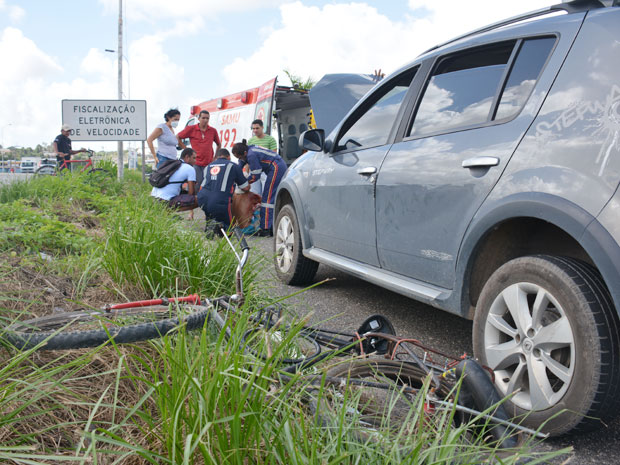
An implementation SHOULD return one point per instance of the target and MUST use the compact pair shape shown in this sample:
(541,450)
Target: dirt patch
(77,391)
(30,286)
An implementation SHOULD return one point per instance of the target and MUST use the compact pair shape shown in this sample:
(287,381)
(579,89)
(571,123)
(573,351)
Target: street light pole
(2,142)
(120,81)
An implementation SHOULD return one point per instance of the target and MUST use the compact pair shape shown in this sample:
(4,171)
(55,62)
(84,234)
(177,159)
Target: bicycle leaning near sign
(50,169)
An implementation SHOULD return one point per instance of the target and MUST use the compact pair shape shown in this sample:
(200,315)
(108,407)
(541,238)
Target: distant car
(483,179)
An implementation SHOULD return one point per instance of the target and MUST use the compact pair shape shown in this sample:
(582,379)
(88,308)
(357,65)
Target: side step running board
(408,287)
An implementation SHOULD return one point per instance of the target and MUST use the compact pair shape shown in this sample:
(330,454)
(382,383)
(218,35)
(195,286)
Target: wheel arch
(288,194)
(527,224)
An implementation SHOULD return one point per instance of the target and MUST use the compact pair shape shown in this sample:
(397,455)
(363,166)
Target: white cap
(66,127)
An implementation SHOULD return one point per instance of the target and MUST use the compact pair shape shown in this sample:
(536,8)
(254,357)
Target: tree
(298,82)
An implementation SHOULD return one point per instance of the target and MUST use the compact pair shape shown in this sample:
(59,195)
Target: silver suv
(482,179)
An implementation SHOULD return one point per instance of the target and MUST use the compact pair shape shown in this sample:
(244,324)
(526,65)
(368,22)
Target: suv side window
(372,127)
(526,69)
(461,90)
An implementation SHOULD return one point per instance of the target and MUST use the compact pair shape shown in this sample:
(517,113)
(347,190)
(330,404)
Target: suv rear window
(463,88)
(526,69)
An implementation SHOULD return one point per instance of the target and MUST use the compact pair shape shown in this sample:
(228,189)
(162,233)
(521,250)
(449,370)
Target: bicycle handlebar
(241,237)
(245,248)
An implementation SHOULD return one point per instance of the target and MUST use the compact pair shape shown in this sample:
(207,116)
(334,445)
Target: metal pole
(120,81)
(3,147)
(143,162)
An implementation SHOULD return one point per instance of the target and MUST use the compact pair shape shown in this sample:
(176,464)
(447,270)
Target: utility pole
(2,143)
(120,81)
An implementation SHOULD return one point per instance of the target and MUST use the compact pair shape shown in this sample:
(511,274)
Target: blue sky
(185,51)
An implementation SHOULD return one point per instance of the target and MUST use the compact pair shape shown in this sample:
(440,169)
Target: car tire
(290,264)
(547,326)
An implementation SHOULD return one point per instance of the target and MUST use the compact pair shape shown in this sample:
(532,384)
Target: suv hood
(335,94)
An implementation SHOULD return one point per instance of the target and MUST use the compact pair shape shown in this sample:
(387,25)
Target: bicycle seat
(376,324)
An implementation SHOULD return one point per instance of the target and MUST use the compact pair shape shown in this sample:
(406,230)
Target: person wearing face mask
(166,139)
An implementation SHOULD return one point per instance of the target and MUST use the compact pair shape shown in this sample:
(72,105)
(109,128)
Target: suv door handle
(480,162)
(367,171)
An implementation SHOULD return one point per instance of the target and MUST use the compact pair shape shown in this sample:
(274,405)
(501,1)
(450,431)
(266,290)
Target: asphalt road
(345,302)
(6,178)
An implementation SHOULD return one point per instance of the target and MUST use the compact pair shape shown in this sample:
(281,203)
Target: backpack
(161,176)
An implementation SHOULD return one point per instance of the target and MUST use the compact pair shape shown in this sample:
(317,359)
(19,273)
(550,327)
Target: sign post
(106,120)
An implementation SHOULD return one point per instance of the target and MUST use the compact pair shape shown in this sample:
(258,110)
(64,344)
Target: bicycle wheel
(274,342)
(74,330)
(45,170)
(384,392)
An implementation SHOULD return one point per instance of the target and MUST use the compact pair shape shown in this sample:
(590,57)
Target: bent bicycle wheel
(375,393)
(75,330)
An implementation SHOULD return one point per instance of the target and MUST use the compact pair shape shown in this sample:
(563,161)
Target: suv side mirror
(313,140)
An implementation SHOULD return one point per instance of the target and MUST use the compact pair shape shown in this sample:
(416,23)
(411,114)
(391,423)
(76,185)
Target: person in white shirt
(171,193)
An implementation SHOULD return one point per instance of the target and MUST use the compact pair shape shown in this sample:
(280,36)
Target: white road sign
(101,120)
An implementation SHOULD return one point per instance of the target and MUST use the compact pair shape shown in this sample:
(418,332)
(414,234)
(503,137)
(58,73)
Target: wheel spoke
(540,387)
(285,239)
(555,335)
(562,372)
(498,322)
(502,355)
(540,305)
(516,301)
(516,379)
(288,254)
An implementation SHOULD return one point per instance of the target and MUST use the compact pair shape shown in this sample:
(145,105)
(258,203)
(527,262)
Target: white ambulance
(285,112)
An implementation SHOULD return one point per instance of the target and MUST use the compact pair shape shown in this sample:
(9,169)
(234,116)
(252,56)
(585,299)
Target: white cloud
(97,62)
(150,10)
(361,43)
(33,86)
(355,37)
(308,41)
(15,13)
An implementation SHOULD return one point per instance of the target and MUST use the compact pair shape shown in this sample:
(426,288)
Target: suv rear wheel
(291,266)
(547,327)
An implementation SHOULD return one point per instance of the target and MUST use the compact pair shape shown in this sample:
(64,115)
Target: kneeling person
(218,187)
(171,192)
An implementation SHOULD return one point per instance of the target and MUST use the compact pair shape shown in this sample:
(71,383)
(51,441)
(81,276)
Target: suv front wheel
(547,327)
(291,266)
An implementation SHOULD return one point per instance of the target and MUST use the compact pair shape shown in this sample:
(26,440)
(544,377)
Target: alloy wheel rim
(530,345)
(285,239)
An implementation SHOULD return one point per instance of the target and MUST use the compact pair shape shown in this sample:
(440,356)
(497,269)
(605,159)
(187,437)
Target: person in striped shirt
(260,138)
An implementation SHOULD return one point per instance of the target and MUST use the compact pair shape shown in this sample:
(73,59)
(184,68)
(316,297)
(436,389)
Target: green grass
(24,229)
(187,398)
(153,250)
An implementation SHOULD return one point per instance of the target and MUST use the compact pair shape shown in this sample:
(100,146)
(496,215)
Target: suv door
(340,210)
(468,122)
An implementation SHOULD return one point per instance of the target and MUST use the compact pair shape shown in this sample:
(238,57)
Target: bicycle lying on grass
(388,373)
(59,167)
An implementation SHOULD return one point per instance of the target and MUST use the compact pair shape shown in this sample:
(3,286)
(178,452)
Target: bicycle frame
(66,164)
(376,337)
